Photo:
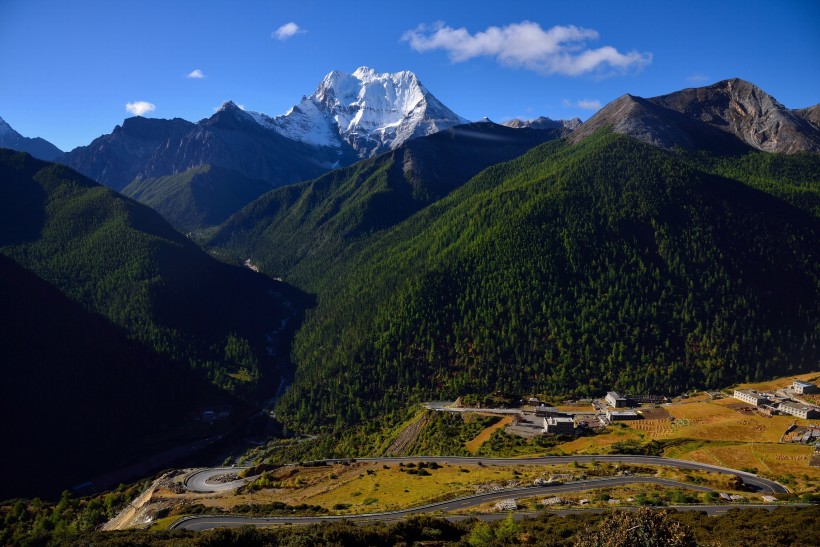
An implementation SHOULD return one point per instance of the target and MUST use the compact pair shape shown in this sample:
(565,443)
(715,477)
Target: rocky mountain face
(542,122)
(728,116)
(367,111)
(231,139)
(644,120)
(37,147)
(746,111)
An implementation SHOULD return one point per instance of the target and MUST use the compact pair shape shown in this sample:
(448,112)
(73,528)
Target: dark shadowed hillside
(79,397)
(122,260)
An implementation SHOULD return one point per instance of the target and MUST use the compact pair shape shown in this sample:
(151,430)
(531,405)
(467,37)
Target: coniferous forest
(573,269)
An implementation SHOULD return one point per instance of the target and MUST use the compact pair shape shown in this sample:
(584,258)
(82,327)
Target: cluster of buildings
(561,423)
(772,403)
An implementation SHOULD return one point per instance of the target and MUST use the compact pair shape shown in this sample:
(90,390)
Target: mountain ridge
(745,115)
(152,147)
(37,146)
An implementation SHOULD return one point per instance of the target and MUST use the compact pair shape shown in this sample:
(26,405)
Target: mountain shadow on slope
(79,397)
(121,259)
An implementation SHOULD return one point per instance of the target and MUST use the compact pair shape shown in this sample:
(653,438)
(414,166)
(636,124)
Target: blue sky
(68,69)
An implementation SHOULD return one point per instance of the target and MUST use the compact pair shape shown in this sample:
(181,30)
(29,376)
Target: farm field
(781,382)
(720,420)
(369,487)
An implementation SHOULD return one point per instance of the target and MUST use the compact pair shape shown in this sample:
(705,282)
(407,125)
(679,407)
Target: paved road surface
(197,482)
(202,481)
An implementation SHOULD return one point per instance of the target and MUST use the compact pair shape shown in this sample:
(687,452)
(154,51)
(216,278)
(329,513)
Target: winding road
(202,481)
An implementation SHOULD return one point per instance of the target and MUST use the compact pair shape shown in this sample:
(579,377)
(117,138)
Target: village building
(802,388)
(559,425)
(543,410)
(614,399)
(799,410)
(615,415)
(750,396)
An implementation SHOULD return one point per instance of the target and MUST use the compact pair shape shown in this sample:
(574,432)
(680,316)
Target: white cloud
(558,50)
(196,74)
(138,108)
(288,30)
(585,104)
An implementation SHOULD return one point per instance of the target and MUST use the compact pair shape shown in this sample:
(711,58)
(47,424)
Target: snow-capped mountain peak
(369,111)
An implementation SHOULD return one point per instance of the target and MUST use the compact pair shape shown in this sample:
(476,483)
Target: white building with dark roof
(750,396)
(799,410)
(801,388)
(614,399)
(559,425)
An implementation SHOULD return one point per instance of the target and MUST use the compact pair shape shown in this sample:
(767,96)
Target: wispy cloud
(288,30)
(558,50)
(698,78)
(196,74)
(585,104)
(138,108)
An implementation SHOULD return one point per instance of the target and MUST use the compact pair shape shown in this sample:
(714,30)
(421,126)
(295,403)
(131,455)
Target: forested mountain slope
(299,230)
(202,196)
(79,397)
(574,268)
(122,260)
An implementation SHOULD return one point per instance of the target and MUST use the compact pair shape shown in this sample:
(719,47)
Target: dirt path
(124,518)
(485,434)
(408,436)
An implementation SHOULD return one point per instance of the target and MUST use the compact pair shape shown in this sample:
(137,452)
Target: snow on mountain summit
(369,111)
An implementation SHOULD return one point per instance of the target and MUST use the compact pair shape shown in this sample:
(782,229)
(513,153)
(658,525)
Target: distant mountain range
(147,148)
(545,123)
(37,147)
(352,116)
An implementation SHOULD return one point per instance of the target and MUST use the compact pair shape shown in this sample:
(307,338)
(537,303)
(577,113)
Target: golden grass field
(474,444)
(781,382)
(369,487)
(365,487)
(597,444)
